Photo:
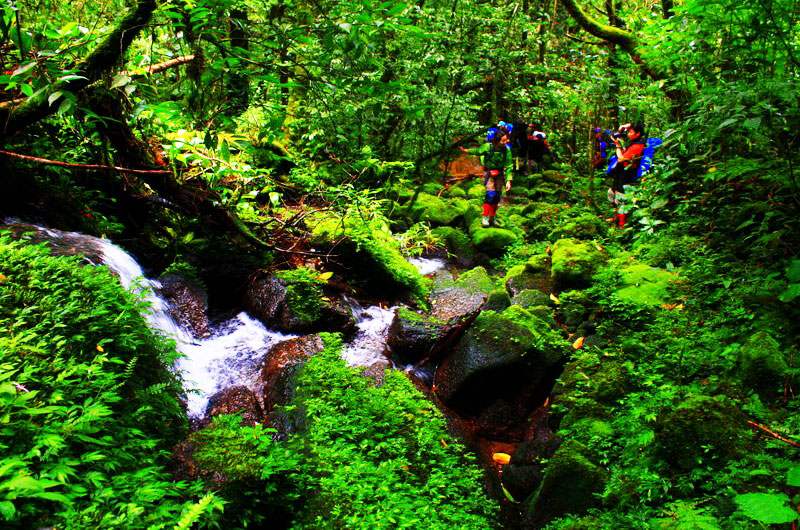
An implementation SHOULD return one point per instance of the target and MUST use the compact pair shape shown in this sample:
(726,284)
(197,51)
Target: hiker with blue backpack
(624,167)
(497,164)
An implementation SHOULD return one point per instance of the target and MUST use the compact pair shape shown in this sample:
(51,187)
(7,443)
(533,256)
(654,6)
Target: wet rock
(237,399)
(279,377)
(188,303)
(452,299)
(411,335)
(505,363)
(531,298)
(295,307)
(458,244)
(377,371)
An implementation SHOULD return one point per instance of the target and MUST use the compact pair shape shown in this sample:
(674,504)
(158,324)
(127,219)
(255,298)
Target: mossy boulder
(368,244)
(477,191)
(575,308)
(431,188)
(762,366)
(294,302)
(498,300)
(584,226)
(644,285)
(411,335)
(458,245)
(534,275)
(571,485)
(531,298)
(457,192)
(452,299)
(541,218)
(574,262)
(701,430)
(435,210)
(492,241)
(502,363)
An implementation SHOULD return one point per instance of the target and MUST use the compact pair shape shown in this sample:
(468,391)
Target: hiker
(519,147)
(537,147)
(624,170)
(496,155)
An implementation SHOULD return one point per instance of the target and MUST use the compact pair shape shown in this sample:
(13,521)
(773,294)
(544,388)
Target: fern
(190,516)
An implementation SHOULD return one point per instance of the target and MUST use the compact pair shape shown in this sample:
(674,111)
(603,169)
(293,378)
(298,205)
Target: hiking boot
(485,222)
(492,221)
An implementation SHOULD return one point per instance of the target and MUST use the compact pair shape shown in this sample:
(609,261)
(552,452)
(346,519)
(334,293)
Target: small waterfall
(369,344)
(233,353)
(231,356)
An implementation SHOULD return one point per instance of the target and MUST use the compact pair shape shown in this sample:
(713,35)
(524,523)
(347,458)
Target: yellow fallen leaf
(444,444)
(578,344)
(3,278)
(325,276)
(99,348)
(554,298)
(501,458)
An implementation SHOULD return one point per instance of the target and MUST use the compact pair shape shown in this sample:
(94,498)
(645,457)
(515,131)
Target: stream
(233,352)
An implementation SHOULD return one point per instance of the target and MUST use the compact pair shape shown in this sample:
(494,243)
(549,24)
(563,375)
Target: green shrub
(88,404)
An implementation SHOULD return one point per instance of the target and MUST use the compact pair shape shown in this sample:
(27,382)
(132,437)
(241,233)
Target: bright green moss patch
(303,294)
(645,285)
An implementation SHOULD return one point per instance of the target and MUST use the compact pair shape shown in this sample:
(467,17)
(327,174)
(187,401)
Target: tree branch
(88,167)
(100,60)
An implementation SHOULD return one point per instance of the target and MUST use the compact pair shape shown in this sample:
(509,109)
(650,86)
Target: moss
(476,280)
(498,300)
(762,366)
(574,262)
(645,285)
(585,226)
(369,238)
(457,242)
(531,298)
(457,192)
(701,430)
(303,294)
(491,241)
(436,210)
(431,188)
(571,484)
(544,338)
(477,191)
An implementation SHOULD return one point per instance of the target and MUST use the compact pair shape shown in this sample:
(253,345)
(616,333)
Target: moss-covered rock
(503,360)
(431,188)
(457,192)
(585,226)
(644,285)
(531,298)
(368,244)
(571,484)
(574,262)
(523,277)
(476,280)
(435,210)
(458,244)
(498,300)
(491,241)
(411,335)
(575,309)
(762,366)
(477,191)
(541,218)
(701,430)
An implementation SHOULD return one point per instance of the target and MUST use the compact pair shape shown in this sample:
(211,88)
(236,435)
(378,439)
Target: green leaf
(794,477)
(793,271)
(120,80)
(7,510)
(768,508)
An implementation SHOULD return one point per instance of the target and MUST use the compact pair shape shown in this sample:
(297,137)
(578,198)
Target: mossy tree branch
(89,70)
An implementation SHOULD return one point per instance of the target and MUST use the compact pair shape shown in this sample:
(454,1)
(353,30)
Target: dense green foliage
(369,456)
(88,405)
(682,401)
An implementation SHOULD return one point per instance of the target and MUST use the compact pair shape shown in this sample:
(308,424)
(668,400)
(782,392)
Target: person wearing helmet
(497,163)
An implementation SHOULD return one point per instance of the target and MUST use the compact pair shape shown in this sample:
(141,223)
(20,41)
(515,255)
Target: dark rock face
(411,335)
(188,303)
(279,377)
(501,370)
(267,298)
(237,399)
(264,298)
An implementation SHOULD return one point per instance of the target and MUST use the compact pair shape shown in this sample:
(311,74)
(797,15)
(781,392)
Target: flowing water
(233,352)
